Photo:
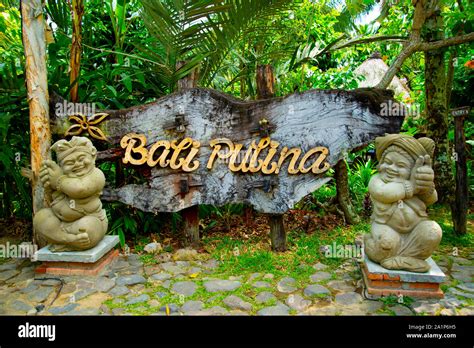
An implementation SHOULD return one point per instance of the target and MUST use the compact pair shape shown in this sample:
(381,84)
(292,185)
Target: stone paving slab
(435,275)
(86,256)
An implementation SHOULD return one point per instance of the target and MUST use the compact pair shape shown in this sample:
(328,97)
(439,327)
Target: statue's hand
(44,175)
(50,173)
(413,177)
(425,176)
(422,175)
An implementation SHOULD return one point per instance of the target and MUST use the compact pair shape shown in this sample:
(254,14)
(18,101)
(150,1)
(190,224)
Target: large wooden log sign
(205,147)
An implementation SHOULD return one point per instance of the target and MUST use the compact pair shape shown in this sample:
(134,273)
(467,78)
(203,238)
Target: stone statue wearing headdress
(75,220)
(402,236)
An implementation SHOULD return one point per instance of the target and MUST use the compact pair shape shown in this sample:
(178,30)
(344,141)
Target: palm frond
(201,32)
(60,13)
(350,11)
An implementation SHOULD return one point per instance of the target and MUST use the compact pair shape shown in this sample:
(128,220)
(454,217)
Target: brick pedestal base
(383,282)
(77,268)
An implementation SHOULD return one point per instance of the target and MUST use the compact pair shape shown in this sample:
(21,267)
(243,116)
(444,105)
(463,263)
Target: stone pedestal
(384,282)
(87,262)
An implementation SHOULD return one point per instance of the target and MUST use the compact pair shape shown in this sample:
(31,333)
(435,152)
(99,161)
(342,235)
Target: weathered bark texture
(462,195)
(265,82)
(338,120)
(278,234)
(191,226)
(436,112)
(189,81)
(76,48)
(37,87)
(119,173)
(343,194)
(450,78)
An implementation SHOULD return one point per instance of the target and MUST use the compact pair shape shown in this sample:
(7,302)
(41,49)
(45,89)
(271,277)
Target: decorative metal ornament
(85,124)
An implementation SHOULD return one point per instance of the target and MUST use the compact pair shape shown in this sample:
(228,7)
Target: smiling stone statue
(402,237)
(76,220)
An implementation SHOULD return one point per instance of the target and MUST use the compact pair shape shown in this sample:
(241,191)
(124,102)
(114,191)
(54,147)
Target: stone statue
(402,236)
(75,220)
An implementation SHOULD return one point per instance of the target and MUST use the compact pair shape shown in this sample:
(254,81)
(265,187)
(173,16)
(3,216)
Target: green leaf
(112,90)
(127,81)
(121,238)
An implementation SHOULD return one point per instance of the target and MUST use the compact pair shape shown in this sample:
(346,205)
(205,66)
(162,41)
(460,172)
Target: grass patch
(469,302)
(444,287)
(392,300)
(451,242)
(243,257)
(141,308)
(148,259)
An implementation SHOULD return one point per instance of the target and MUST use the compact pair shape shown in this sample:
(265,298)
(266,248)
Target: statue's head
(76,156)
(397,154)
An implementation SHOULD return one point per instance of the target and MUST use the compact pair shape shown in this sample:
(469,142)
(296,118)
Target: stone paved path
(198,288)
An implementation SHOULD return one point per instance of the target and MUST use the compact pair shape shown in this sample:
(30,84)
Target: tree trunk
(436,113)
(265,90)
(34,43)
(265,82)
(450,78)
(461,199)
(343,194)
(76,48)
(189,81)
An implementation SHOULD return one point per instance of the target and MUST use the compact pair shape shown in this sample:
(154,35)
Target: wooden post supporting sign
(266,89)
(190,215)
(461,196)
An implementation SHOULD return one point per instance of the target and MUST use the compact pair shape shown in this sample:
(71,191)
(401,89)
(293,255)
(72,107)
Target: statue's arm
(386,192)
(83,187)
